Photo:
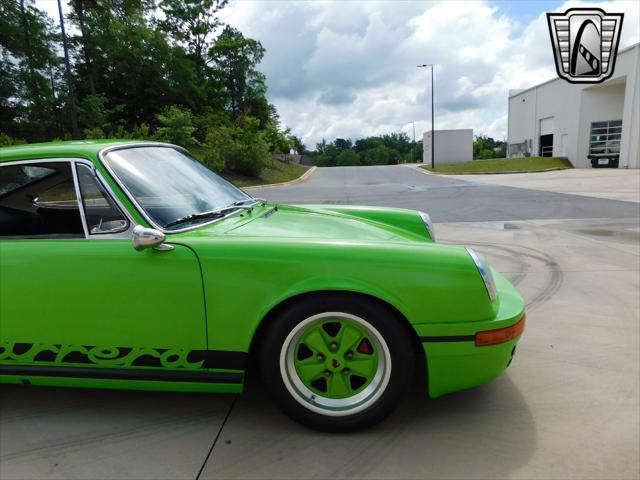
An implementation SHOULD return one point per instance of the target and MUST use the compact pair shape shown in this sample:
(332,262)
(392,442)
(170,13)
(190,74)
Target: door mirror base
(144,238)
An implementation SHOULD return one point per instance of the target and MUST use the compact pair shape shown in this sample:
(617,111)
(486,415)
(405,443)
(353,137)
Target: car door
(73,291)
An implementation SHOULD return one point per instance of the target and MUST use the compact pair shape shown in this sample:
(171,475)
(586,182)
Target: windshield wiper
(249,200)
(218,213)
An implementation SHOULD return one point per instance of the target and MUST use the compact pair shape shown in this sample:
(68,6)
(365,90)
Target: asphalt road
(445,198)
(568,407)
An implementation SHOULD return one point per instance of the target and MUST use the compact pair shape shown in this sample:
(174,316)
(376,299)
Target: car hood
(324,223)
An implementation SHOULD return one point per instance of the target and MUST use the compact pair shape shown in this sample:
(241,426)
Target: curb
(301,178)
(492,173)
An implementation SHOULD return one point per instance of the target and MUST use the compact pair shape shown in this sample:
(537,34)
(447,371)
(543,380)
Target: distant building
(587,123)
(452,146)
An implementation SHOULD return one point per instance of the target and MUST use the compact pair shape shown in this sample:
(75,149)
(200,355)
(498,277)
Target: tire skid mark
(554,271)
(520,269)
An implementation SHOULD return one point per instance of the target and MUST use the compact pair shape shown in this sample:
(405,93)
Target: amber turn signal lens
(501,335)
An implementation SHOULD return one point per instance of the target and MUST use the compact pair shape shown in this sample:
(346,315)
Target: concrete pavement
(568,407)
(611,183)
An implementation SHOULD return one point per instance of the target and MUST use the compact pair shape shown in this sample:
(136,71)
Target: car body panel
(101,292)
(245,277)
(206,298)
(458,363)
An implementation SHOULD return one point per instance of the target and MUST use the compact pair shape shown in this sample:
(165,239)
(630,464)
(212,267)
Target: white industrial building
(452,146)
(578,121)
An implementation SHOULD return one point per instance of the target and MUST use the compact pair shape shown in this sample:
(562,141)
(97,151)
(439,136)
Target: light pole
(433,128)
(413,145)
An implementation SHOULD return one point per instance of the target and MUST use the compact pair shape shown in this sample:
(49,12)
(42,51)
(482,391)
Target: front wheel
(337,363)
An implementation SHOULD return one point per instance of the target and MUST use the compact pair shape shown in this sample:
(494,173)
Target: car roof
(77,148)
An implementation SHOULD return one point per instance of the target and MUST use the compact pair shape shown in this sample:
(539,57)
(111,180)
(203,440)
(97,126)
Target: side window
(39,201)
(101,213)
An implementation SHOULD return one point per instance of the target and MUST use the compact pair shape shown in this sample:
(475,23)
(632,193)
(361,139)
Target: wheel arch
(272,315)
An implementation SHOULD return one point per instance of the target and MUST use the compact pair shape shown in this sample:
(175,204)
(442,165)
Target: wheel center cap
(335,363)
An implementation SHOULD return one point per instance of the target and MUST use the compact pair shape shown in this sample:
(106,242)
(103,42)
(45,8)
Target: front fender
(246,277)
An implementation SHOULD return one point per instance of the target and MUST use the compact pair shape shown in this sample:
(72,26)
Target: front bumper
(454,362)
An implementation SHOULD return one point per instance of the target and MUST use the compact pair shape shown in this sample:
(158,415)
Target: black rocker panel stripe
(123,374)
(219,359)
(109,356)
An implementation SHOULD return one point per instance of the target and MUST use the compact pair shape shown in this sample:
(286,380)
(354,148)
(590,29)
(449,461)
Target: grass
(275,172)
(502,165)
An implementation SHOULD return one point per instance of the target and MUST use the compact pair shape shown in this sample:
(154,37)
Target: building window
(605,137)
(518,149)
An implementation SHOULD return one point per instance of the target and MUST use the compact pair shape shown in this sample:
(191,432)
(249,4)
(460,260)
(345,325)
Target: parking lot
(568,406)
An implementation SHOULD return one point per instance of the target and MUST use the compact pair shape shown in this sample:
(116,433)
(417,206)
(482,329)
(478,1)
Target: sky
(348,68)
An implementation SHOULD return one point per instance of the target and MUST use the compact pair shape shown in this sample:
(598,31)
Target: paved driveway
(568,407)
(611,183)
(447,199)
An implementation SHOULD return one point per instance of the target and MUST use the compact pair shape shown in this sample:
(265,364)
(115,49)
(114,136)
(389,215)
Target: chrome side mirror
(148,238)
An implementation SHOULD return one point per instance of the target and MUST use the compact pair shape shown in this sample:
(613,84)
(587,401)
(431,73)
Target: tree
(94,116)
(236,58)
(238,147)
(380,155)
(177,126)
(341,144)
(141,77)
(485,147)
(298,145)
(192,23)
(28,64)
(347,158)
(376,150)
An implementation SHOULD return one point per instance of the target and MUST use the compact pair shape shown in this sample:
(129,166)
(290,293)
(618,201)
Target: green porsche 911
(131,265)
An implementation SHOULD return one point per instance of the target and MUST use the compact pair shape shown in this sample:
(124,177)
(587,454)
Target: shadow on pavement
(486,432)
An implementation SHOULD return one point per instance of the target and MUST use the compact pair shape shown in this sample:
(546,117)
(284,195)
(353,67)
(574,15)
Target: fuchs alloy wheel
(337,364)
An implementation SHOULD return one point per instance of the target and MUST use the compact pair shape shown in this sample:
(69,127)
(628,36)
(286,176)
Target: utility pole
(413,147)
(75,132)
(433,128)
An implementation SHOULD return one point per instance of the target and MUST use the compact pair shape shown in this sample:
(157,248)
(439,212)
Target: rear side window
(16,176)
(39,201)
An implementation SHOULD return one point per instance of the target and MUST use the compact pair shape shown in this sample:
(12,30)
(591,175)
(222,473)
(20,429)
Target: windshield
(170,185)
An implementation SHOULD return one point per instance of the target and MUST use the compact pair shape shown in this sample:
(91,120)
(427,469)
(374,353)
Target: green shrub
(140,132)
(239,148)
(348,158)
(218,143)
(323,160)
(380,155)
(177,126)
(94,133)
(7,141)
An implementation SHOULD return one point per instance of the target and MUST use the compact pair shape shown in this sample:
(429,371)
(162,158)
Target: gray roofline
(520,92)
(449,130)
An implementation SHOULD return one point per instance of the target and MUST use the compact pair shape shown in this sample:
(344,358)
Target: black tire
(393,330)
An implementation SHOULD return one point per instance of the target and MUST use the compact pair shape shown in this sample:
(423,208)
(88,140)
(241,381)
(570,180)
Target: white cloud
(348,69)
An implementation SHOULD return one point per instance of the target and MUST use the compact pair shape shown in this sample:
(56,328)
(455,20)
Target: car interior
(39,200)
